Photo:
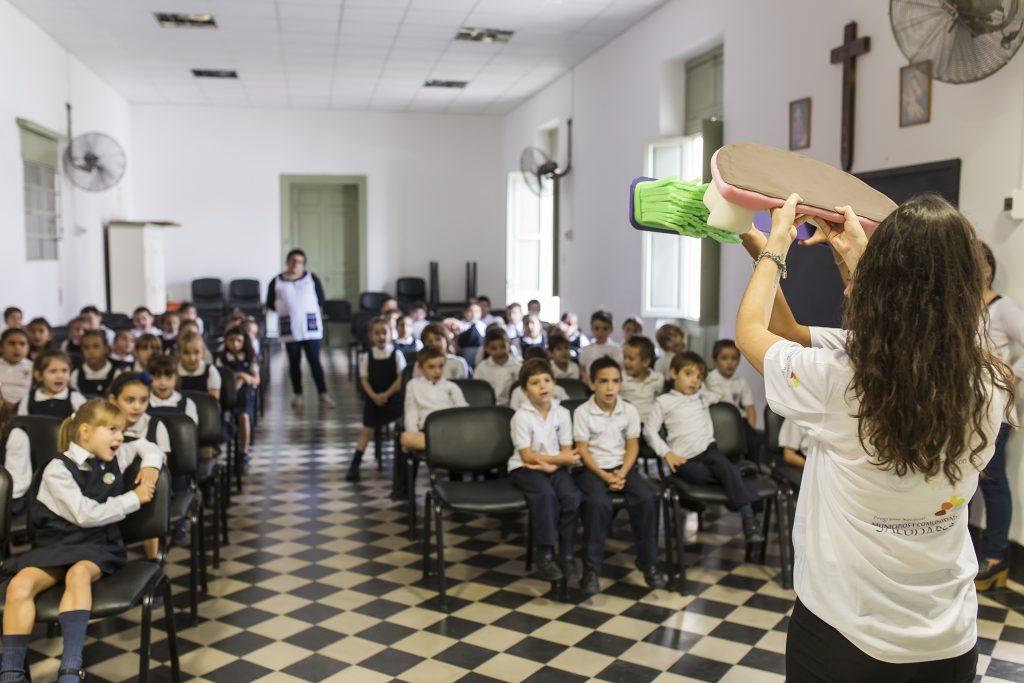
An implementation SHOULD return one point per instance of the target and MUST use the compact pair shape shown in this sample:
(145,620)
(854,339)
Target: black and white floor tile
(320,583)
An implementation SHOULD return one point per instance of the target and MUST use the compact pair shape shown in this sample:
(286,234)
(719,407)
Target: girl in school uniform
(122,350)
(82,495)
(146,347)
(194,373)
(76,328)
(15,367)
(40,336)
(170,323)
(51,394)
(239,357)
(533,336)
(142,322)
(380,376)
(97,371)
(16,457)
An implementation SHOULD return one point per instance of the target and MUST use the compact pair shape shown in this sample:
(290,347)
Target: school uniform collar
(172,400)
(239,357)
(89,373)
(686,397)
(198,372)
(140,426)
(533,409)
(77,454)
(598,410)
(61,395)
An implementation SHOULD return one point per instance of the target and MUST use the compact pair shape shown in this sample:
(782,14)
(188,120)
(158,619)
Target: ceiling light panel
(215,73)
(483,35)
(173,20)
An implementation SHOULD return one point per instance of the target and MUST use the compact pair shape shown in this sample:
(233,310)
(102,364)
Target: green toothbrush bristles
(671,204)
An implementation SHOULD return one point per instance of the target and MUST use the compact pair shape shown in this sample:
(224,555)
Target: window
(671,264)
(530,243)
(42,191)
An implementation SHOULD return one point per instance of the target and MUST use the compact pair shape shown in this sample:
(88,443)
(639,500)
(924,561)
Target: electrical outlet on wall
(1015,204)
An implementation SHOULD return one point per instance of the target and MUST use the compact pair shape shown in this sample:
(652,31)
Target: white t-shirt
(734,390)
(501,377)
(423,397)
(792,435)
(642,393)
(687,420)
(663,364)
(572,371)
(588,354)
(1006,327)
(519,399)
(15,380)
(606,434)
(885,560)
(18,462)
(544,435)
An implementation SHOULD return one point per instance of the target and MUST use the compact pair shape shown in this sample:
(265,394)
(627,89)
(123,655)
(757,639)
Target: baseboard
(1015,553)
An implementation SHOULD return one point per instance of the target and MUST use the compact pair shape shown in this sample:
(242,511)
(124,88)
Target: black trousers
(712,467)
(818,653)
(311,347)
(642,505)
(554,504)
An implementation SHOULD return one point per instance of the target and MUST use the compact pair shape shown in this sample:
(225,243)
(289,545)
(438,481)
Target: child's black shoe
(752,529)
(548,568)
(590,584)
(570,571)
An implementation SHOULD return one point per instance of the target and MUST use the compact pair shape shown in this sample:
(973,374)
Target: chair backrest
(184,456)
(478,393)
(572,404)
(208,408)
(574,387)
(152,520)
(730,435)
(772,427)
(43,437)
(361,327)
(371,301)
(206,290)
(117,321)
(228,391)
(409,290)
(337,311)
(6,498)
(244,290)
(474,439)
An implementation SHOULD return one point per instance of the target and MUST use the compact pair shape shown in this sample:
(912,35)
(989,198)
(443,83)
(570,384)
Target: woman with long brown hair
(903,409)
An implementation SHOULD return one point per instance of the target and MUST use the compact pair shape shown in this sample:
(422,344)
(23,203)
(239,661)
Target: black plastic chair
(370,301)
(228,400)
(787,475)
(360,340)
(410,290)
(731,440)
(245,294)
(335,311)
(208,298)
(137,582)
(474,440)
(117,321)
(43,438)
(210,471)
(574,387)
(183,461)
(477,392)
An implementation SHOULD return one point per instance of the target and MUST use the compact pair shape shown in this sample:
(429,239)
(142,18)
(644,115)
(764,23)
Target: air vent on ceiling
(173,20)
(484,35)
(214,73)
(435,83)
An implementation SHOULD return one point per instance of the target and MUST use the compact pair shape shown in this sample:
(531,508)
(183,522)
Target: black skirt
(378,416)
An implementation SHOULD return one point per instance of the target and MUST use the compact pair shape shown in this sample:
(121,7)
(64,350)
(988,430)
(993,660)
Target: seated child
(672,340)
(513,348)
(499,369)
(40,336)
(425,394)
(640,386)
(533,307)
(533,335)
(418,314)
(691,453)
(437,337)
(252,328)
(142,322)
(562,364)
(194,372)
(602,345)
(514,326)
(16,454)
(15,367)
(380,377)
(473,327)
(239,357)
(144,348)
(93,378)
(631,327)
(13,317)
(607,433)
(170,324)
(518,398)
(164,396)
(51,395)
(76,328)
(731,388)
(121,351)
(82,496)
(484,302)
(795,442)
(187,311)
(540,466)
(94,321)
(404,338)
(569,325)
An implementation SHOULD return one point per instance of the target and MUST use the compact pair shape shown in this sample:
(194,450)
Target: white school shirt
(642,393)
(59,491)
(153,330)
(213,380)
(423,397)
(663,364)
(687,418)
(544,435)
(734,390)
(606,434)
(129,359)
(590,353)
(380,354)
(172,401)
(571,372)
(455,367)
(15,380)
(501,377)
(1006,327)
(519,399)
(76,399)
(792,435)
(417,327)
(140,430)
(885,560)
(88,373)
(18,462)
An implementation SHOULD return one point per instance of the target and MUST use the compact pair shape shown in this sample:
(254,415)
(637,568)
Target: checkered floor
(320,584)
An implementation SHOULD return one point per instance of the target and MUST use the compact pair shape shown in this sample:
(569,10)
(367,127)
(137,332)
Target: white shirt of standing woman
(885,560)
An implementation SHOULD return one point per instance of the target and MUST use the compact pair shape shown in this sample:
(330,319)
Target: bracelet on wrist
(775,258)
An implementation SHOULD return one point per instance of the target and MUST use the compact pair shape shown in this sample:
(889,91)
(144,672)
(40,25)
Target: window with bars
(39,153)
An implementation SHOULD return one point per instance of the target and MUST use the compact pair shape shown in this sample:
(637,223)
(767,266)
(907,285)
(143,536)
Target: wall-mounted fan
(93,161)
(537,167)
(965,40)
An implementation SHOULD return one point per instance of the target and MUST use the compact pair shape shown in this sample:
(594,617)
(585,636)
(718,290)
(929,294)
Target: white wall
(37,76)
(774,52)
(431,184)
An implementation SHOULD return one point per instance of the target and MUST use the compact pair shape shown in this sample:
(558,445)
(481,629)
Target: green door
(324,223)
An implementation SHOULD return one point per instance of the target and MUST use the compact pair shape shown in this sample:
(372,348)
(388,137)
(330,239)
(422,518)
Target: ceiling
(351,54)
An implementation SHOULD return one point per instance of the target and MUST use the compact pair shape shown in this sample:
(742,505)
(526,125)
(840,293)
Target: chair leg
(195,553)
(427,507)
(763,555)
(439,523)
(222,510)
(410,482)
(785,533)
(680,522)
(667,530)
(529,541)
(215,521)
(201,527)
(144,636)
(172,635)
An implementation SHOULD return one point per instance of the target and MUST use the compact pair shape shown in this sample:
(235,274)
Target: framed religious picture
(915,94)
(800,123)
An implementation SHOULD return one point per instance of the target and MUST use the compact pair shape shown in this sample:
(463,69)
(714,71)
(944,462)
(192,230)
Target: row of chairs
(212,301)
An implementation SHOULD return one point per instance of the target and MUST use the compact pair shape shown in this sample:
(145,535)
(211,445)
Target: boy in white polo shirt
(607,433)
(601,326)
(425,394)
(724,382)
(500,369)
(542,435)
(691,453)
(640,385)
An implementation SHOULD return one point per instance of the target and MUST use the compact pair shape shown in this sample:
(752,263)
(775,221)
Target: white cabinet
(136,268)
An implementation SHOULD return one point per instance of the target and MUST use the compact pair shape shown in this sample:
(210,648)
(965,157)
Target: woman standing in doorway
(297,295)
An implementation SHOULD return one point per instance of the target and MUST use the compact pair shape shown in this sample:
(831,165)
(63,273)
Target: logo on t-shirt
(949,505)
(793,379)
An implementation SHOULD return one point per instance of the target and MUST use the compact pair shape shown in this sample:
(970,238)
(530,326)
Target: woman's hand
(784,222)
(848,240)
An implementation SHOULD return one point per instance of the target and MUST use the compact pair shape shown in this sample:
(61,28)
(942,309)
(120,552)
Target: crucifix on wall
(846,54)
